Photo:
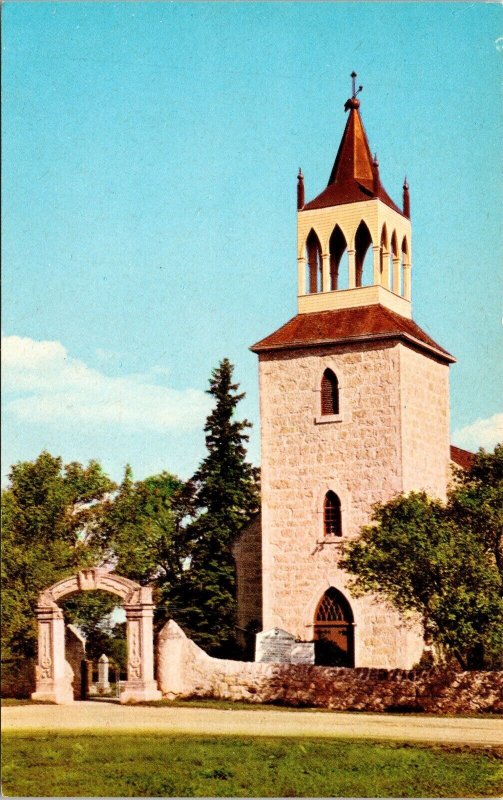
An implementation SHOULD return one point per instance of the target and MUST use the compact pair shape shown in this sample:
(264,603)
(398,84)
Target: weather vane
(353,78)
(353,102)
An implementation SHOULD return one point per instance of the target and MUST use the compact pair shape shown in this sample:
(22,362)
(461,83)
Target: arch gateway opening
(53,679)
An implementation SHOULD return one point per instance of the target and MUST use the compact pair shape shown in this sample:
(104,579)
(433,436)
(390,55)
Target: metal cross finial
(353,78)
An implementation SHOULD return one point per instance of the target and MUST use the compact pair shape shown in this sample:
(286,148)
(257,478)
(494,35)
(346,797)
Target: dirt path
(111,717)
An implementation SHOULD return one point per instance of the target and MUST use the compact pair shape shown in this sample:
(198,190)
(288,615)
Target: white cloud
(482,433)
(57,388)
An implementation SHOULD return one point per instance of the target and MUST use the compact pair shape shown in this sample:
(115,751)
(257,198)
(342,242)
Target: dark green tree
(139,525)
(476,501)
(92,612)
(58,519)
(441,562)
(226,496)
(142,528)
(50,515)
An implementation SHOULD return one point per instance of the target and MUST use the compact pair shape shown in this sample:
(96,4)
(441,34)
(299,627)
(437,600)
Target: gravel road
(114,717)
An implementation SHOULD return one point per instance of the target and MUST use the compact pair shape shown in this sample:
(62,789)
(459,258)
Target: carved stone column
(301,276)
(396,275)
(140,684)
(385,277)
(53,674)
(377,265)
(407,293)
(325,274)
(352,269)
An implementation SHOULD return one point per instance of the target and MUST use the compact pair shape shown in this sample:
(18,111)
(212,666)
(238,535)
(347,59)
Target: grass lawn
(156,765)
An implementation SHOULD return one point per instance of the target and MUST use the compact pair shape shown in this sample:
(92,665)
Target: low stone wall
(184,670)
(18,677)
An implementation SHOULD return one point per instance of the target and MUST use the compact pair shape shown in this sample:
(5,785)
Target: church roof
(352,176)
(462,458)
(348,325)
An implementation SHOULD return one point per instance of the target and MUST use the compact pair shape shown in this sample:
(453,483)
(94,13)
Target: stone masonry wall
(358,456)
(184,670)
(247,552)
(424,396)
(75,651)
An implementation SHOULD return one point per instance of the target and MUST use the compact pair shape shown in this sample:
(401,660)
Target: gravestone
(274,646)
(103,685)
(302,653)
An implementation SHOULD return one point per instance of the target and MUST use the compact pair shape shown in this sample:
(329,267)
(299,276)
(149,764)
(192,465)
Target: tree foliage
(139,525)
(225,496)
(442,561)
(58,519)
(49,512)
(175,536)
(476,501)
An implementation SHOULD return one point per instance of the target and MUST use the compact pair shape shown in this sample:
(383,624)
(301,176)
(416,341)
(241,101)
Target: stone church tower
(354,401)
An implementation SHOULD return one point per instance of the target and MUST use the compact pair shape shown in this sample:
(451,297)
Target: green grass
(158,765)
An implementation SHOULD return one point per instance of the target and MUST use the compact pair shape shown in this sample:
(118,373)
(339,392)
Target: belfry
(354,400)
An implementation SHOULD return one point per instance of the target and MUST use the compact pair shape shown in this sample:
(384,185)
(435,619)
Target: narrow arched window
(384,257)
(332,515)
(403,264)
(314,263)
(329,393)
(363,240)
(393,264)
(337,246)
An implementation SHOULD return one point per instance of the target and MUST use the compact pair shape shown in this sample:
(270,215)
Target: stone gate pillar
(53,674)
(140,684)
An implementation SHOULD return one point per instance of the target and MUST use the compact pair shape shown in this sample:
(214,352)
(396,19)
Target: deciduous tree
(441,561)
(49,515)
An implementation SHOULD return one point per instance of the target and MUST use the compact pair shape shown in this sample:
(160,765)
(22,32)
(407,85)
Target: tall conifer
(227,495)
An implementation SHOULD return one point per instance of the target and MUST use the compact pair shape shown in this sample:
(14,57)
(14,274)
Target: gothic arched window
(332,523)
(337,246)
(314,263)
(393,264)
(403,264)
(329,393)
(363,240)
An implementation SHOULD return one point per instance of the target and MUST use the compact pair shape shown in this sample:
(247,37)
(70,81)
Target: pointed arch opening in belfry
(403,265)
(314,263)
(334,630)
(53,678)
(394,263)
(363,256)
(384,257)
(338,270)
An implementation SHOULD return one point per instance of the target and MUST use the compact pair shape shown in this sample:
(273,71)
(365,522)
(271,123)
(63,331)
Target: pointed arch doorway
(334,631)
(53,683)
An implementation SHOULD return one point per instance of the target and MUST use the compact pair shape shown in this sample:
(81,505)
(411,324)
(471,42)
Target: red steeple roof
(352,178)
(349,325)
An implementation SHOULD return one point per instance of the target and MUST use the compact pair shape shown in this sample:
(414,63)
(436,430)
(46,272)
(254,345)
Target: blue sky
(150,153)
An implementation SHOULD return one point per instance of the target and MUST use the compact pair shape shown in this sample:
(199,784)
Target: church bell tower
(354,410)
(354,215)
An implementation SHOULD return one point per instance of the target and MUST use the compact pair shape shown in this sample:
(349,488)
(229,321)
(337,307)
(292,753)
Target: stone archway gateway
(53,682)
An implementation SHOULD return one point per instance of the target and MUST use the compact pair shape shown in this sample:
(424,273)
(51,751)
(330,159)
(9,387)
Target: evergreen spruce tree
(226,493)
